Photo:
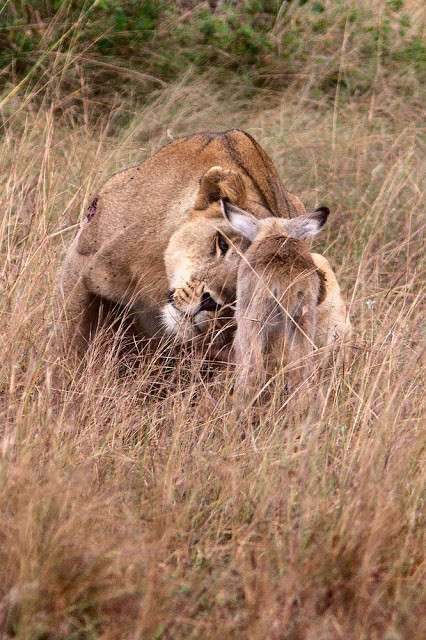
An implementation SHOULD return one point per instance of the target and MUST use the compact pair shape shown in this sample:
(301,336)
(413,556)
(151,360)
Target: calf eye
(222,244)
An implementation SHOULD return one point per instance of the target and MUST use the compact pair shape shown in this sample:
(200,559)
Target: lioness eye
(222,244)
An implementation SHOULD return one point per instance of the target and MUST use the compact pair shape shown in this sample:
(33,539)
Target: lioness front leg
(77,314)
(77,308)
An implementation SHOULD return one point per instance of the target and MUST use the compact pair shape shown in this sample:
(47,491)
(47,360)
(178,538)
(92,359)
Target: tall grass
(135,503)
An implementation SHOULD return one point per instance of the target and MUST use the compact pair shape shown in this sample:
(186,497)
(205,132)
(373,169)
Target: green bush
(135,46)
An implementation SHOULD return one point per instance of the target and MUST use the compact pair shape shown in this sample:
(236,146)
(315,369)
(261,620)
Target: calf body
(276,311)
(285,297)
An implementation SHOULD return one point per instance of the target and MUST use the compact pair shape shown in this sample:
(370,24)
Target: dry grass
(134,504)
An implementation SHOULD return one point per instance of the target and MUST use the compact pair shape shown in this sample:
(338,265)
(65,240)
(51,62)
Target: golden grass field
(133,504)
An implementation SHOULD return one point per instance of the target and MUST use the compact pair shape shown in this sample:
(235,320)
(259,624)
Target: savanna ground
(132,504)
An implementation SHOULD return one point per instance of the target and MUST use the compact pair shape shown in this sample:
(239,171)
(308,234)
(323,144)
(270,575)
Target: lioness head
(202,260)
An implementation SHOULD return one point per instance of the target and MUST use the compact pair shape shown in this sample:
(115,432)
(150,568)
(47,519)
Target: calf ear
(308,224)
(240,220)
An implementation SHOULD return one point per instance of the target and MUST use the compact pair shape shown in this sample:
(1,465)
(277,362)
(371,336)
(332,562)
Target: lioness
(156,243)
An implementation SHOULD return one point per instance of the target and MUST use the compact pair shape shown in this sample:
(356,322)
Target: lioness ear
(240,220)
(308,224)
(219,183)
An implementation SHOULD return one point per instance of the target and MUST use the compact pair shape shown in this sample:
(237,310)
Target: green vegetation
(262,43)
(133,504)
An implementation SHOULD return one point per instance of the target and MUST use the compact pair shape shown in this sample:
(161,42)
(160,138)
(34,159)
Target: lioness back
(119,253)
(160,191)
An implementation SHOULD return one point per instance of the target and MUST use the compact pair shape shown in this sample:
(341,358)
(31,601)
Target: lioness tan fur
(156,243)
(334,327)
(285,296)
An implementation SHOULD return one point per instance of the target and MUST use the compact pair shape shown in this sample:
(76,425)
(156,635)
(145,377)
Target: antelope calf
(285,297)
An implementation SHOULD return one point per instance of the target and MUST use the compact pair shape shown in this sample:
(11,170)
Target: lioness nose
(208,303)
